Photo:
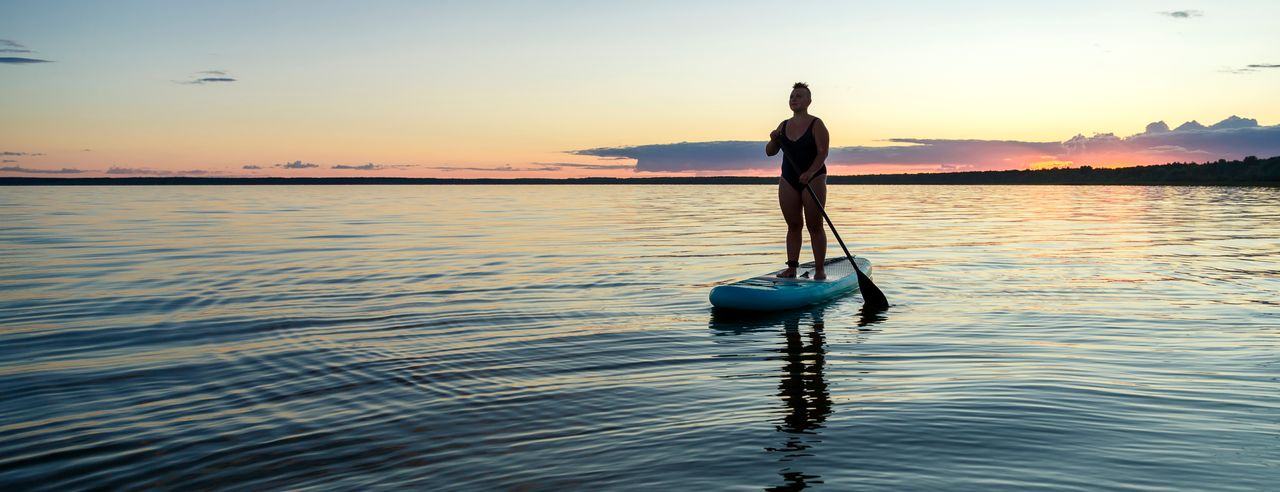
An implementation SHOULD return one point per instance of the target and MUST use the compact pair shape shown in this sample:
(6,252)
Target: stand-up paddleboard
(771,293)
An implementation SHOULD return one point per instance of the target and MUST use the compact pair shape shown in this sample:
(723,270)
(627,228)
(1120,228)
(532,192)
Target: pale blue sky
(498,83)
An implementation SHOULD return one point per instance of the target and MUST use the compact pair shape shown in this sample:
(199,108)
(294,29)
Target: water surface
(552,337)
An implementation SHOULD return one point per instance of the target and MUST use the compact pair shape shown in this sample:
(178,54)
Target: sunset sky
(565,89)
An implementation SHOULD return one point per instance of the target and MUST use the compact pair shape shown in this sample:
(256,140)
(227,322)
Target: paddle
(872,297)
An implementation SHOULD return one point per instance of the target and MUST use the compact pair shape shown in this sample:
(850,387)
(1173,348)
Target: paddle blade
(872,297)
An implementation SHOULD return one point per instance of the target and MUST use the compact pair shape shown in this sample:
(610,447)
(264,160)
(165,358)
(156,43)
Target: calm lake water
(559,337)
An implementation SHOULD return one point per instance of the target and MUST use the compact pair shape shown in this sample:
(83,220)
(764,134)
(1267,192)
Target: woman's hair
(802,85)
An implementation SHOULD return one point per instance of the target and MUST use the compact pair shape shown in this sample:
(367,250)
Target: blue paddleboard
(771,293)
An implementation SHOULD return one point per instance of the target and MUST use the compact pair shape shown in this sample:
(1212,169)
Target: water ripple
(559,337)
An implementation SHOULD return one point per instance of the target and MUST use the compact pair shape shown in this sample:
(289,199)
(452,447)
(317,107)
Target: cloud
(1183,14)
(593,167)
(1251,68)
(689,156)
(13,60)
(542,166)
(8,160)
(130,170)
(308,165)
(208,77)
(372,167)
(19,154)
(296,165)
(209,80)
(18,169)
(504,168)
(1233,137)
(740,155)
(143,171)
(9,46)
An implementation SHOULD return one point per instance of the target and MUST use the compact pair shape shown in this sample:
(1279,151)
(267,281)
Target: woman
(804,142)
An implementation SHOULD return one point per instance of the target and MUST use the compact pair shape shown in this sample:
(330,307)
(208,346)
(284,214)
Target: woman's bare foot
(819,274)
(790,272)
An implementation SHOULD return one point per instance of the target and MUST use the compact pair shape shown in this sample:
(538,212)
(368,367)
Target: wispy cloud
(8,160)
(13,60)
(1252,68)
(208,77)
(145,171)
(1183,14)
(10,46)
(19,154)
(540,167)
(372,167)
(1231,137)
(251,166)
(593,167)
(296,165)
(689,156)
(19,169)
(211,80)
(500,169)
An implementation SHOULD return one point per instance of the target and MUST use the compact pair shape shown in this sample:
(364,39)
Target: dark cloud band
(1229,138)
(13,60)
(19,169)
(211,80)
(10,46)
(296,165)
(372,167)
(142,171)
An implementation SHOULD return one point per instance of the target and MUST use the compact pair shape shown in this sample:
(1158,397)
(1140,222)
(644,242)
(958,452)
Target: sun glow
(1036,166)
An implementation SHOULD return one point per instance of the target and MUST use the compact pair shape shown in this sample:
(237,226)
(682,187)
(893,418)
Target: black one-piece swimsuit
(801,152)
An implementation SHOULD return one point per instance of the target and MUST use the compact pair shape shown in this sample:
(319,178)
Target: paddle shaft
(818,201)
(835,233)
(871,295)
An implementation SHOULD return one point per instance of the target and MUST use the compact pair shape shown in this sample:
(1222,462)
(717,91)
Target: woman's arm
(771,148)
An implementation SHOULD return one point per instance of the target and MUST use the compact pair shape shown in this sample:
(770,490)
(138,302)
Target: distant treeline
(1250,171)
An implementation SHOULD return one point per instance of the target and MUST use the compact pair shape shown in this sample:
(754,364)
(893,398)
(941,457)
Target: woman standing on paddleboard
(804,142)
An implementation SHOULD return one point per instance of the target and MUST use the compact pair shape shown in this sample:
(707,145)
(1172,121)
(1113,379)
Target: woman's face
(799,99)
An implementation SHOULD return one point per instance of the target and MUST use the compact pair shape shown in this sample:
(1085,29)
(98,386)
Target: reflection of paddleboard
(770,293)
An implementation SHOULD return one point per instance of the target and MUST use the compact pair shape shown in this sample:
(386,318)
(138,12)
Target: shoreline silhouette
(1250,171)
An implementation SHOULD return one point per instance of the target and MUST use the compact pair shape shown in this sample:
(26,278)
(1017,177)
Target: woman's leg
(813,217)
(790,202)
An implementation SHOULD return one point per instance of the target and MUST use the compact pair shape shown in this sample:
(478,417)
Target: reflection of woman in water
(804,142)
(803,387)
(804,390)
